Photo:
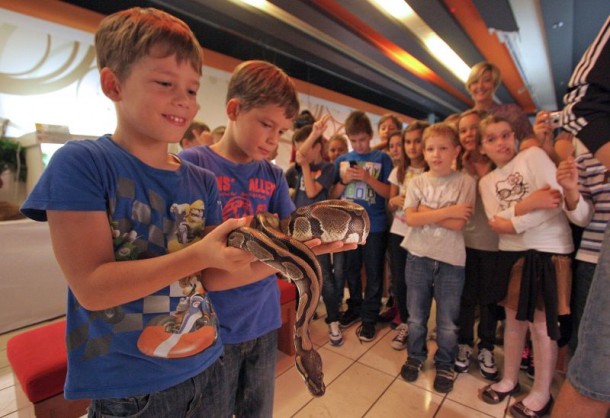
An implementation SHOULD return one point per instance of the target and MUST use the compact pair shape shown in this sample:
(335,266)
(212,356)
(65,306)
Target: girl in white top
(410,164)
(523,206)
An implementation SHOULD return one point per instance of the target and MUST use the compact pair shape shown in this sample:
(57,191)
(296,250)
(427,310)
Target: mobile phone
(353,163)
(554,119)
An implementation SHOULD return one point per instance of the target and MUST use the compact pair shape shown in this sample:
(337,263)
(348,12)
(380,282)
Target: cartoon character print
(192,326)
(511,190)
(237,207)
(191,220)
(123,243)
(187,331)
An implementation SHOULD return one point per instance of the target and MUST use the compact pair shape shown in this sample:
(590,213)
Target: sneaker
(348,318)
(366,331)
(487,364)
(443,382)
(462,360)
(334,334)
(399,342)
(410,370)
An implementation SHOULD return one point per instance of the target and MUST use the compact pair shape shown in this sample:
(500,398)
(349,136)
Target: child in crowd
(198,133)
(410,165)
(362,176)
(535,242)
(337,145)
(128,223)
(314,178)
(387,123)
(437,205)
(261,104)
(480,287)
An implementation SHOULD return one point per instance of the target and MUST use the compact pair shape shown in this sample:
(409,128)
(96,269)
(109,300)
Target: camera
(555,119)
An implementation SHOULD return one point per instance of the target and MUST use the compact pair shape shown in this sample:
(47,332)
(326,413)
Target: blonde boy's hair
(477,71)
(259,83)
(129,35)
(358,122)
(441,129)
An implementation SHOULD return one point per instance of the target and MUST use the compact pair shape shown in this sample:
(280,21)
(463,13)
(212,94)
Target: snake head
(309,365)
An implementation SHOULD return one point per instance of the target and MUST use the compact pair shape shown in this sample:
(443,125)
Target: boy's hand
(460,211)
(567,174)
(319,126)
(216,251)
(301,159)
(320,248)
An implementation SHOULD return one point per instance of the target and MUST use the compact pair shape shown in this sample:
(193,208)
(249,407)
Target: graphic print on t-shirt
(511,190)
(239,202)
(359,189)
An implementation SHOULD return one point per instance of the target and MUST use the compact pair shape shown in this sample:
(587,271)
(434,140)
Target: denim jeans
(372,254)
(583,276)
(332,287)
(589,369)
(249,383)
(196,397)
(398,260)
(426,279)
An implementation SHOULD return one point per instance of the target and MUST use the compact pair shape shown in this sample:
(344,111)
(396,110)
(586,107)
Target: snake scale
(283,249)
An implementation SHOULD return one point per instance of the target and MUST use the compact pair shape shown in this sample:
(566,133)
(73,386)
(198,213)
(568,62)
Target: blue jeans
(426,279)
(332,286)
(398,259)
(196,397)
(589,369)
(372,254)
(250,377)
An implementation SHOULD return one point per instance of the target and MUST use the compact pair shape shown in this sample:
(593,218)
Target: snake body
(283,249)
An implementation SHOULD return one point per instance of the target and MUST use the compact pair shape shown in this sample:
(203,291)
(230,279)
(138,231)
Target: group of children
(164,319)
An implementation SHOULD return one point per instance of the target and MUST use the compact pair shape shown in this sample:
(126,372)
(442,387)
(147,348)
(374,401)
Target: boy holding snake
(261,104)
(129,225)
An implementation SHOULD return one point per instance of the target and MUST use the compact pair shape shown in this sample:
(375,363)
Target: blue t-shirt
(379,165)
(323,173)
(250,311)
(160,340)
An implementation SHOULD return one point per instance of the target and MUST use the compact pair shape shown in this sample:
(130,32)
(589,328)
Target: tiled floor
(362,380)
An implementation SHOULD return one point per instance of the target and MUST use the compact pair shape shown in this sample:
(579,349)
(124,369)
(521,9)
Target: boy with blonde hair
(128,223)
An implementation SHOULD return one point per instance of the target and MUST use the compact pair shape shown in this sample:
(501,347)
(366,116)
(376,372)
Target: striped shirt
(595,188)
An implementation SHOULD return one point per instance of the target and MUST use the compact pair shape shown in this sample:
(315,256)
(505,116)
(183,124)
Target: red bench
(38,359)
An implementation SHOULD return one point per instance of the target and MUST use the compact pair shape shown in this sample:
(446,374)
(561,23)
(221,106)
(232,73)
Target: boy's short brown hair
(358,122)
(260,83)
(129,35)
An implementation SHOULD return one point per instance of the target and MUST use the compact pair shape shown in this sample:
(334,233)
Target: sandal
(519,410)
(493,397)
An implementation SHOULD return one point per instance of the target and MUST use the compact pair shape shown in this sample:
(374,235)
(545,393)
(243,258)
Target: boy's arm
(317,129)
(450,217)
(100,282)
(312,187)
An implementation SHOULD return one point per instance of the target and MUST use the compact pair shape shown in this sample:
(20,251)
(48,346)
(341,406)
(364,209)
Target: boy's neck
(441,174)
(153,154)
(229,150)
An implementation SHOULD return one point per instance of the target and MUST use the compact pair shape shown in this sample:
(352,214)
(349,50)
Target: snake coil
(283,250)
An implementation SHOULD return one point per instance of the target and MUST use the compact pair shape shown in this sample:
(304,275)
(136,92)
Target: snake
(280,245)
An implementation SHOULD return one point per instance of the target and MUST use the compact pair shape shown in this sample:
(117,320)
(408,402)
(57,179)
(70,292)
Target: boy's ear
(110,84)
(232,109)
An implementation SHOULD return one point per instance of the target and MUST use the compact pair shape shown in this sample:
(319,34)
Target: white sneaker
(334,334)
(487,364)
(462,360)
(399,342)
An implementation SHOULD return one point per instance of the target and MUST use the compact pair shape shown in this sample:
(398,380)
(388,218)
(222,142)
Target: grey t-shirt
(433,241)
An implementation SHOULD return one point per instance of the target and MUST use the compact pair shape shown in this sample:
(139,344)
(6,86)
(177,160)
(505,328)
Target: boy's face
(440,152)
(257,131)
(361,142)
(386,127)
(336,148)
(157,100)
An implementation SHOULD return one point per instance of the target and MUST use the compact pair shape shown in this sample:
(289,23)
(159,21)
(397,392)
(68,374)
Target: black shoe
(366,331)
(348,318)
(410,370)
(443,382)
(494,397)
(518,410)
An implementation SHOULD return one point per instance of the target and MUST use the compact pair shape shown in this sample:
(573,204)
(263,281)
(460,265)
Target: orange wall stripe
(468,16)
(390,49)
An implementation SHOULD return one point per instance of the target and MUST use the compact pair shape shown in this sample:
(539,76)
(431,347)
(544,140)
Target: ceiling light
(256,3)
(401,11)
